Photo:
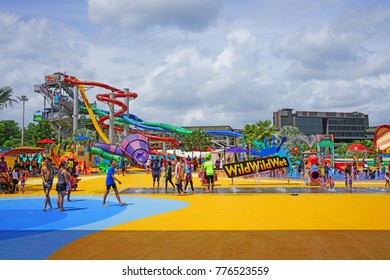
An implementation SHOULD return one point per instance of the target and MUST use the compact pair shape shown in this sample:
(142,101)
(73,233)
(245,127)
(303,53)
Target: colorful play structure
(67,97)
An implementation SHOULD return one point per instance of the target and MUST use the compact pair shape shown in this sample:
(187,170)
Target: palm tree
(259,131)
(6,97)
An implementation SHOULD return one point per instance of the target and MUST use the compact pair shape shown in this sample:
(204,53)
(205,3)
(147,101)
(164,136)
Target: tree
(12,142)
(198,139)
(258,131)
(6,97)
(10,129)
(36,132)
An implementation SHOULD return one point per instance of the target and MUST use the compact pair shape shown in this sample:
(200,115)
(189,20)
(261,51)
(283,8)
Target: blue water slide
(139,124)
(224,132)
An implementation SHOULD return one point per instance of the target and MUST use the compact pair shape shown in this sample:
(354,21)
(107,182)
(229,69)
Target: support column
(75,109)
(111,135)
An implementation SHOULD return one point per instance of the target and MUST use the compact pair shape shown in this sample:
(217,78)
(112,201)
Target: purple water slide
(136,146)
(109,148)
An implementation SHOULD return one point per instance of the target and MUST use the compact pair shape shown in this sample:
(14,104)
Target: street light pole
(23,98)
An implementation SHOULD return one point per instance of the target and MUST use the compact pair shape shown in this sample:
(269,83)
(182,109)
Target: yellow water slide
(92,115)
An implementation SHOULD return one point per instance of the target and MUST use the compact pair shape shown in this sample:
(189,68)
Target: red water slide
(105,97)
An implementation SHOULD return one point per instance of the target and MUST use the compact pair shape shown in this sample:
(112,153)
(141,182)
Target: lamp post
(23,98)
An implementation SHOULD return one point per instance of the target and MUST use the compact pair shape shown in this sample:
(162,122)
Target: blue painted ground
(28,233)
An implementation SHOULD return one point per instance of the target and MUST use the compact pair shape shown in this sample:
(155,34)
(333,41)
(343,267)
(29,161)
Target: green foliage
(10,134)
(35,132)
(12,142)
(196,140)
(6,97)
(86,132)
(258,131)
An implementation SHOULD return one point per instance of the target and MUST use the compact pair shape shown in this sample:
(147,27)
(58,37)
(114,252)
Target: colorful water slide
(103,98)
(135,147)
(161,127)
(224,132)
(129,119)
(137,122)
(382,137)
(105,152)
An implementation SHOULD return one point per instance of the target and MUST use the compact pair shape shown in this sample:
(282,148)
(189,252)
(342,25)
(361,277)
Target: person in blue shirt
(156,170)
(110,183)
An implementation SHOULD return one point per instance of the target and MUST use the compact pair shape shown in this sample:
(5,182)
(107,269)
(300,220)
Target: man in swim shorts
(110,183)
(47,182)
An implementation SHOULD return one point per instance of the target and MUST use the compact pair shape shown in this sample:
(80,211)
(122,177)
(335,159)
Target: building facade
(344,126)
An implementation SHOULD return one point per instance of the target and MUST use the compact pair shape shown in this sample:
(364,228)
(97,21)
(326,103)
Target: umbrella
(46,141)
(23,150)
(357,148)
(237,150)
(82,138)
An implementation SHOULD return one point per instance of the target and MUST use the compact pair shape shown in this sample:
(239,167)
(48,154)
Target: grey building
(344,126)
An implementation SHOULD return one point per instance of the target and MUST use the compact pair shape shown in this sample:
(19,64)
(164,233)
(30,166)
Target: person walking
(188,176)
(208,167)
(179,171)
(22,180)
(110,183)
(47,183)
(168,176)
(63,179)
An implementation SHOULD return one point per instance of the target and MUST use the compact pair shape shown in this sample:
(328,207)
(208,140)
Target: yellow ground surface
(240,226)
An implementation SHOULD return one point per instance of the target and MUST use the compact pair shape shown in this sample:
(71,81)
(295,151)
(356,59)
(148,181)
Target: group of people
(351,172)
(67,181)
(12,176)
(181,169)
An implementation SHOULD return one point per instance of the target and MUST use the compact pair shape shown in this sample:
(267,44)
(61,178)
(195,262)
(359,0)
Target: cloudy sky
(204,62)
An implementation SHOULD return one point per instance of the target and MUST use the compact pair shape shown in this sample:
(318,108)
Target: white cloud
(244,61)
(194,15)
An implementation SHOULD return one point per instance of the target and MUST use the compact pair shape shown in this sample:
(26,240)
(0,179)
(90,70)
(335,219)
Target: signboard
(243,168)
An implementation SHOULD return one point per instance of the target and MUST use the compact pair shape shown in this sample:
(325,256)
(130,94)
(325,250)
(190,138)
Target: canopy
(357,148)
(325,143)
(24,150)
(82,138)
(46,141)
(237,150)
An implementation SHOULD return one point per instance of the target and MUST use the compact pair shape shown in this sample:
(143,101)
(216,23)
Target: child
(330,183)
(22,180)
(188,174)
(387,180)
(15,180)
(323,181)
(348,181)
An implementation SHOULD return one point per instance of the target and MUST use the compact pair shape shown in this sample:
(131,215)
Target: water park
(271,199)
